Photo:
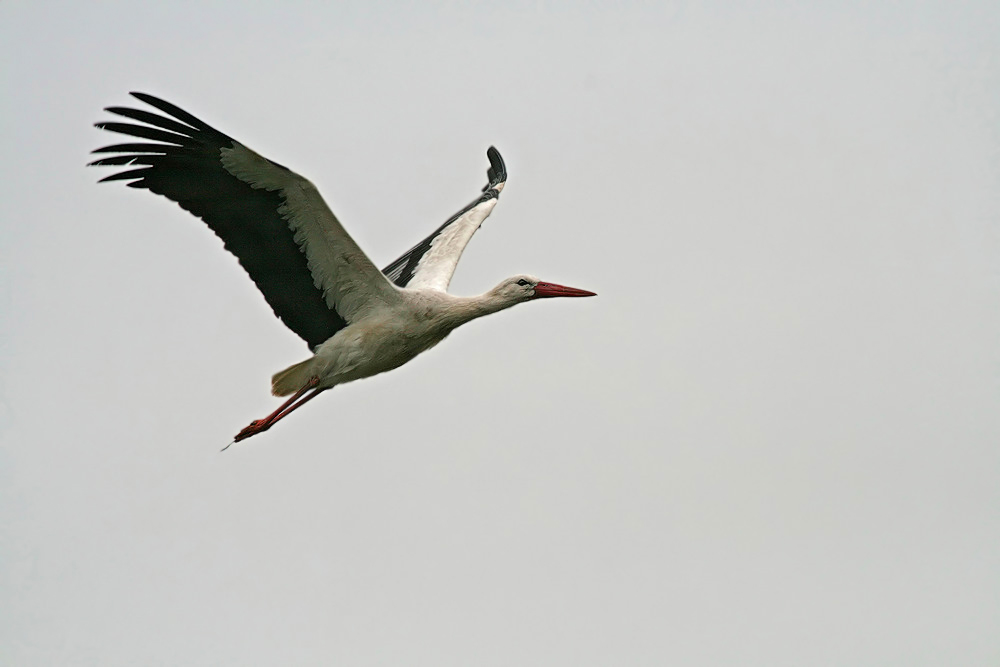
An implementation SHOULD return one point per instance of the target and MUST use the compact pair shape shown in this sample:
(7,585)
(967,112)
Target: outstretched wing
(310,271)
(431,263)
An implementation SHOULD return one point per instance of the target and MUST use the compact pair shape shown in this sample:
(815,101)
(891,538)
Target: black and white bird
(358,321)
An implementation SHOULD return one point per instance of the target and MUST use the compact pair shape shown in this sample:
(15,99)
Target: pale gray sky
(771,440)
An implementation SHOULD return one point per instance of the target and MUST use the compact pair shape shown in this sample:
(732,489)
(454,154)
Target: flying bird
(357,321)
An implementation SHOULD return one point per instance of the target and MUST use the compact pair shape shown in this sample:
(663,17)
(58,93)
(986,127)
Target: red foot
(297,400)
(255,427)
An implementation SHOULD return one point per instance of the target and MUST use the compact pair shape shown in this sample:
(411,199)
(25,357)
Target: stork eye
(522,282)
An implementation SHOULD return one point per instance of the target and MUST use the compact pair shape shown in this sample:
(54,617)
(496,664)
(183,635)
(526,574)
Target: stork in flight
(358,321)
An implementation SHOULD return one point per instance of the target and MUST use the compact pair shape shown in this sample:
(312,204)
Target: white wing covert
(351,284)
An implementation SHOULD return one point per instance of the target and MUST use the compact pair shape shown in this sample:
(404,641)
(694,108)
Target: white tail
(293,378)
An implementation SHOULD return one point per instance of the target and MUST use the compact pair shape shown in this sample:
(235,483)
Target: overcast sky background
(772,439)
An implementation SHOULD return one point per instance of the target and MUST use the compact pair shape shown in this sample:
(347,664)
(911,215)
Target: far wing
(431,263)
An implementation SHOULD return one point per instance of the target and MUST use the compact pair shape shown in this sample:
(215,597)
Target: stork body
(358,321)
(389,337)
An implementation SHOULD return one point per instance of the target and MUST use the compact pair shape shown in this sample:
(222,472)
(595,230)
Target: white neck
(462,309)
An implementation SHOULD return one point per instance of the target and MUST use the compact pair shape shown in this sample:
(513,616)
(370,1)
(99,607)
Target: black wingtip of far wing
(497,173)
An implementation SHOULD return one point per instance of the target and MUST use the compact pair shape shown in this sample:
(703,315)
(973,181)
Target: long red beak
(543,290)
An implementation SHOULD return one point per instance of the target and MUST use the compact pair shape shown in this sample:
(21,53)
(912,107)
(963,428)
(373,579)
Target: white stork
(358,321)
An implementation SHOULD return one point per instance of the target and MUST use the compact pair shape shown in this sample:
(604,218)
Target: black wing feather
(151,119)
(187,169)
(131,148)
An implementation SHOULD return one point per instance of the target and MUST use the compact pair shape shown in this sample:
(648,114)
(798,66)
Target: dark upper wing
(431,263)
(309,270)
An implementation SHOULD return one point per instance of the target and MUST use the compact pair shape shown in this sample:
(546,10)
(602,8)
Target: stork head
(526,288)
